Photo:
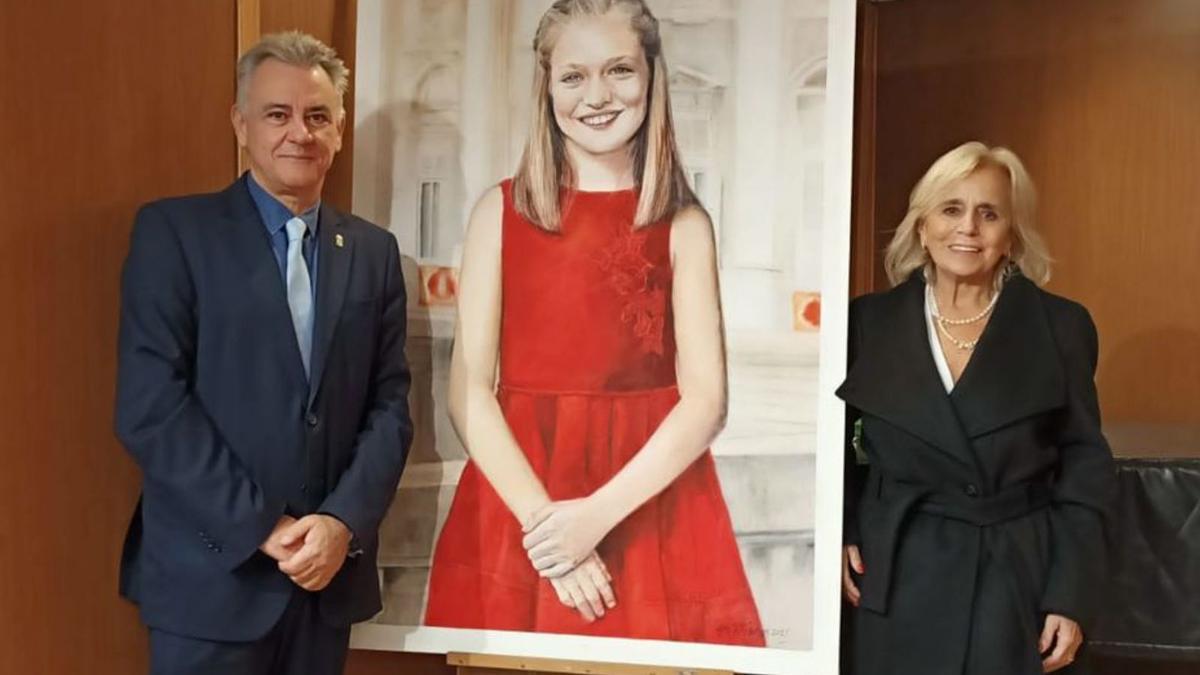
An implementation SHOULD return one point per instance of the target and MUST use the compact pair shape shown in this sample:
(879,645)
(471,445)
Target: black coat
(981,510)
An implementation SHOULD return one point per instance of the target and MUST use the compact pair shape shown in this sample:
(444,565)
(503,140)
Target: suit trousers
(301,643)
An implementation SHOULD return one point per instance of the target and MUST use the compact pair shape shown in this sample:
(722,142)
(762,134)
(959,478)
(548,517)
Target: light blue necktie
(299,288)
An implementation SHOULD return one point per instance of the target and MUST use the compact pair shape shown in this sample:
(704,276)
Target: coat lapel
(336,252)
(894,378)
(250,247)
(1015,372)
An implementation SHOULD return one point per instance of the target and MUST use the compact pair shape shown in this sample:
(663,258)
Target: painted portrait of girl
(588,374)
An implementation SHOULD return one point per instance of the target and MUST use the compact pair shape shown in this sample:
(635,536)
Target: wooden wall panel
(1100,99)
(362,662)
(106,105)
(864,266)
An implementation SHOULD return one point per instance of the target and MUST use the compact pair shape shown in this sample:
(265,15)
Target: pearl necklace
(942,322)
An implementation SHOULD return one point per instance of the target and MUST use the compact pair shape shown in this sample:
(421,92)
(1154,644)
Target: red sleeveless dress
(587,373)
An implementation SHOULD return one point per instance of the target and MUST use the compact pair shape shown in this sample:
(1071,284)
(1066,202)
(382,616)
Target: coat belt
(1011,502)
(896,500)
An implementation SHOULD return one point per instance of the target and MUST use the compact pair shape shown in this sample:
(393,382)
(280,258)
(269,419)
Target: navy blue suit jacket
(214,406)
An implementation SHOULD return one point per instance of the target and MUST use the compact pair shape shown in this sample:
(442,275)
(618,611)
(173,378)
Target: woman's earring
(1011,269)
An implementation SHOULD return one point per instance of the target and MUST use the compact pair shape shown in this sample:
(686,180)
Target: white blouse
(939,358)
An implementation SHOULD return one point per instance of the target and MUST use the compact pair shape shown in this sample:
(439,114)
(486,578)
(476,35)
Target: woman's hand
(1065,635)
(560,535)
(851,559)
(587,588)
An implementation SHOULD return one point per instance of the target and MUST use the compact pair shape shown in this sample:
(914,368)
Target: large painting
(761,101)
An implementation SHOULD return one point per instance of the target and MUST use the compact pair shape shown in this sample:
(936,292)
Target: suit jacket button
(971,490)
(310,419)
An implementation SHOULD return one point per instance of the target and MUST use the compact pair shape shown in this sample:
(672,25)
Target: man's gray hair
(294,48)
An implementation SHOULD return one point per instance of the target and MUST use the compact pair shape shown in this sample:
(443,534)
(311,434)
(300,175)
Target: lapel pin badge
(338,241)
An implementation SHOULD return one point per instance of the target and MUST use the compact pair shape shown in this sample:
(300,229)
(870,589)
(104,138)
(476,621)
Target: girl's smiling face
(599,80)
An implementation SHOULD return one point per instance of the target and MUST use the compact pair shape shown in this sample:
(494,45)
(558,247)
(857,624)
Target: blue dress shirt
(275,216)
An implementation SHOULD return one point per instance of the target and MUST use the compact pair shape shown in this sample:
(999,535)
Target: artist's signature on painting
(746,630)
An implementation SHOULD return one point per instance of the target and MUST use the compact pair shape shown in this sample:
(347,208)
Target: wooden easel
(487,664)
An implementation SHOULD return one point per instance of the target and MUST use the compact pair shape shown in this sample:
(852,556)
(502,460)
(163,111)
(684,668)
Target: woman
(975,539)
(591,503)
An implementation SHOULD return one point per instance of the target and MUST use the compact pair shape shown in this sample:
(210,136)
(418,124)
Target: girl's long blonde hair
(544,170)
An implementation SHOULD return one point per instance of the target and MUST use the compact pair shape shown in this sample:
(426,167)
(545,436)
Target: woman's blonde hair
(905,253)
(544,170)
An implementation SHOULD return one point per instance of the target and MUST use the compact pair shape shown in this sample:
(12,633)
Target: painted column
(750,259)
(482,111)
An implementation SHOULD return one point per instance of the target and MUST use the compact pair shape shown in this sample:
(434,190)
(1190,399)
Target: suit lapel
(894,377)
(250,247)
(1015,372)
(336,252)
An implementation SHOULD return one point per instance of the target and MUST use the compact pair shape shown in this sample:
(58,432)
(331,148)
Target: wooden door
(106,105)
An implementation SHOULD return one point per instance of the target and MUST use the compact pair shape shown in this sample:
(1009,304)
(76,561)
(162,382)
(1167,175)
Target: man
(262,390)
